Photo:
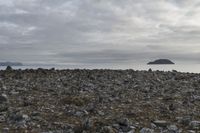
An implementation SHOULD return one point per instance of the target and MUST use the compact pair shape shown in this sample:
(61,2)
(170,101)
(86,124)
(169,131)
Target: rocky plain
(99,101)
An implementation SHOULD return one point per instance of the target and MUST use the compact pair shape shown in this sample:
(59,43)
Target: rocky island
(99,101)
(161,61)
(11,64)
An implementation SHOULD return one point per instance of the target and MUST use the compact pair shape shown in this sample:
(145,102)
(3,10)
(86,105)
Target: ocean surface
(191,68)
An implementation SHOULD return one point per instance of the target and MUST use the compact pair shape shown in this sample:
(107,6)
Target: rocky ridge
(99,101)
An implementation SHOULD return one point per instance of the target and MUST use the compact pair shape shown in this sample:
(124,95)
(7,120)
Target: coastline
(97,100)
(180,67)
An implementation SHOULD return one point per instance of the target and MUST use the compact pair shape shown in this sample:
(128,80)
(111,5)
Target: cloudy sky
(96,32)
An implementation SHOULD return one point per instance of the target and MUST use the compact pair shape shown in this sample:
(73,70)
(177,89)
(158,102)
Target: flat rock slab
(161,123)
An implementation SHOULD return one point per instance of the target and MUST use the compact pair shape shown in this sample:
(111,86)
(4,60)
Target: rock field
(99,101)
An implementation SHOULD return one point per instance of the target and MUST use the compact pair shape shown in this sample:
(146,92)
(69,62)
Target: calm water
(192,68)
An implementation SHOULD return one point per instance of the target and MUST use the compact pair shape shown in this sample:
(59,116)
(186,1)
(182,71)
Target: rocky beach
(99,101)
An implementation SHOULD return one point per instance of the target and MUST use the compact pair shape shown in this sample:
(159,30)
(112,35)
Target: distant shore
(191,68)
(11,64)
(98,101)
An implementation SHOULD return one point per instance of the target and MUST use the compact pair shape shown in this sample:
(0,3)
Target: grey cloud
(99,31)
(123,56)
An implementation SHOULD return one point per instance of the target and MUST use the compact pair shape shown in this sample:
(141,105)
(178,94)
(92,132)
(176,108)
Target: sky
(99,32)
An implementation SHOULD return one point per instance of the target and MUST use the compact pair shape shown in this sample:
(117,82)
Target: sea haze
(191,68)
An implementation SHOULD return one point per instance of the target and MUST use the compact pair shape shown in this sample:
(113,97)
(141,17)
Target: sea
(191,68)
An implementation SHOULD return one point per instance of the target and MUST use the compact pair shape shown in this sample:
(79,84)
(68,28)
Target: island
(161,61)
(11,64)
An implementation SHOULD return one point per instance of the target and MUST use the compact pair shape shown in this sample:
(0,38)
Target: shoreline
(191,68)
(99,100)
(96,69)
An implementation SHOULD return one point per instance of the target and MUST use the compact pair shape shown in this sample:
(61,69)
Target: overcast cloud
(84,32)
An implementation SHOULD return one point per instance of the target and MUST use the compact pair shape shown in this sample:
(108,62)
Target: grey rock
(146,130)
(153,126)
(14,92)
(2,119)
(161,123)
(173,129)
(61,131)
(5,130)
(132,131)
(107,129)
(4,107)
(184,120)
(1,83)
(101,113)
(195,125)
(79,114)
(19,117)
(124,122)
(191,131)
(87,123)
(116,126)
(3,98)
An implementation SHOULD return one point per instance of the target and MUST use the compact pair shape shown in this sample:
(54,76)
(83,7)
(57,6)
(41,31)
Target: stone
(146,130)
(172,107)
(19,117)
(184,120)
(101,113)
(153,126)
(161,123)
(107,129)
(116,126)
(5,130)
(2,119)
(1,84)
(14,92)
(132,131)
(124,122)
(3,107)
(25,117)
(195,125)
(191,131)
(3,98)
(79,114)
(173,129)
(87,123)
